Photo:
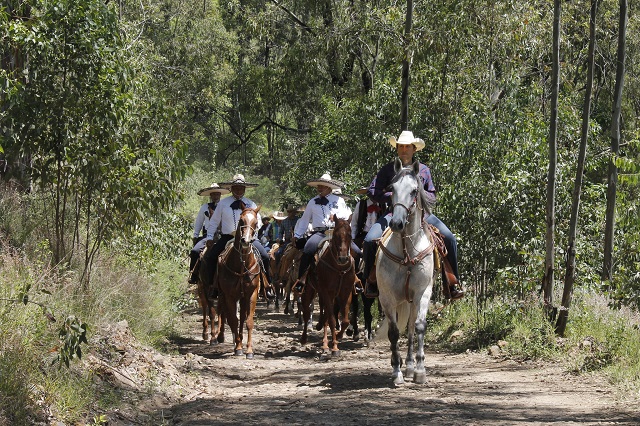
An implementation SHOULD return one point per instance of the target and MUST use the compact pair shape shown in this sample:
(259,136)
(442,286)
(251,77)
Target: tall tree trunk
(569,277)
(547,283)
(406,67)
(612,182)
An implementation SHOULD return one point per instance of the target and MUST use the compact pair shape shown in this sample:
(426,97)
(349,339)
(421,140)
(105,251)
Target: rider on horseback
(226,216)
(202,221)
(318,213)
(406,146)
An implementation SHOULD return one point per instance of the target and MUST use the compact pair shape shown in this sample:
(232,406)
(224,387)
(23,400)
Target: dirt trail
(287,383)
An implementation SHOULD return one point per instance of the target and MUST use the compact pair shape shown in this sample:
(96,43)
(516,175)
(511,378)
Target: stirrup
(298,286)
(371,290)
(455,292)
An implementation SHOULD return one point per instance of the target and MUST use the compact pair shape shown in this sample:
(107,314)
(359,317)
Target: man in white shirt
(214,192)
(318,214)
(226,217)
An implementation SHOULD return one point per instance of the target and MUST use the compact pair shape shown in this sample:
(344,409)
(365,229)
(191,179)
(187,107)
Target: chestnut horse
(333,279)
(238,280)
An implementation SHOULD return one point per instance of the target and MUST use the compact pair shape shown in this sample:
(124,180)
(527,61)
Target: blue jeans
(369,247)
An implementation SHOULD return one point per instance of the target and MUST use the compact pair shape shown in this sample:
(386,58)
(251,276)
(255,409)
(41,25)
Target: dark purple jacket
(384,178)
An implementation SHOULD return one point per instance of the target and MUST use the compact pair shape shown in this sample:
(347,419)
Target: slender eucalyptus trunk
(612,181)
(406,67)
(548,280)
(569,277)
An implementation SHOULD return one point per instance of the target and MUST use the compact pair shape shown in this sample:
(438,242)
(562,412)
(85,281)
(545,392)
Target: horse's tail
(382,334)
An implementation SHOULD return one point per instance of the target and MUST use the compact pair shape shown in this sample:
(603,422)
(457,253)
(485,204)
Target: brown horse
(238,279)
(333,279)
(288,273)
(206,296)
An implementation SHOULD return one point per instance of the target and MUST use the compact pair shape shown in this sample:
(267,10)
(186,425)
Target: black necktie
(237,205)
(322,201)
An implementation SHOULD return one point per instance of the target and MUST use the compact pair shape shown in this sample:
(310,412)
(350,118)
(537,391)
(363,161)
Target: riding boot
(305,261)
(371,285)
(194,270)
(450,282)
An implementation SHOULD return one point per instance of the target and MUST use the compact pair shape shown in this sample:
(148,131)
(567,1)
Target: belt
(320,229)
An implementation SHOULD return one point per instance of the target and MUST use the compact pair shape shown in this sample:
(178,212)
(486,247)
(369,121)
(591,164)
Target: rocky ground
(286,383)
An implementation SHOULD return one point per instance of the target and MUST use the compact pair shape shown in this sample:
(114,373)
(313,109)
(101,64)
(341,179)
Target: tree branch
(294,17)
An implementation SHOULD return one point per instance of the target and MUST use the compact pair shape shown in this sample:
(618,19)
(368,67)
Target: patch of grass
(601,339)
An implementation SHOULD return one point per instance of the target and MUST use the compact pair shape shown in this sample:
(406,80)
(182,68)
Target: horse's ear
(416,167)
(258,208)
(397,165)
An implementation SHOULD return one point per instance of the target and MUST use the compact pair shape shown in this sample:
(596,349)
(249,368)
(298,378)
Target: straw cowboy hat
(407,138)
(363,190)
(238,180)
(205,192)
(278,215)
(338,192)
(326,180)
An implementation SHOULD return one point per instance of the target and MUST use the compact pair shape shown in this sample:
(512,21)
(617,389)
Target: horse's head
(408,195)
(247,226)
(341,240)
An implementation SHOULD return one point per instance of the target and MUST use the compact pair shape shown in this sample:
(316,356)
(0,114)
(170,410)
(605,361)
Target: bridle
(407,260)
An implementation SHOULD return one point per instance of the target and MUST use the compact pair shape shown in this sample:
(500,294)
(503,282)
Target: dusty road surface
(290,384)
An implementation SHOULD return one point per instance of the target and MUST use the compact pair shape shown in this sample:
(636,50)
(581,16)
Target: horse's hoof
(220,338)
(237,352)
(420,377)
(250,355)
(303,340)
(213,342)
(356,337)
(335,353)
(398,380)
(408,372)
(349,331)
(318,326)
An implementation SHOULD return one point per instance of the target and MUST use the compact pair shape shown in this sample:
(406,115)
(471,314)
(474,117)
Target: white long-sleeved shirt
(372,217)
(226,217)
(202,220)
(319,216)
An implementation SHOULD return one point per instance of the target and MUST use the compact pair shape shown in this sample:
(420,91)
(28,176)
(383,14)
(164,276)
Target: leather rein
(247,273)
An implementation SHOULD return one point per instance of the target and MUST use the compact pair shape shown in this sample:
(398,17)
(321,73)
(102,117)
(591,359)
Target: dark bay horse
(288,274)
(405,271)
(238,280)
(333,279)
(206,297)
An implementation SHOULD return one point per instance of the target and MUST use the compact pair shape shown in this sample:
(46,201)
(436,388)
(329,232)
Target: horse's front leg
(252,311)
(305,305)
(420,373)
(344,302)
(411,331)
(396,358)
(367,304)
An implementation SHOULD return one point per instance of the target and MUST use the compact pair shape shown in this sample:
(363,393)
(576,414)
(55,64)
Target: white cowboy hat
(338,192)
(205,192)
(278,215)
(407,138)
(326,180)
(238,180)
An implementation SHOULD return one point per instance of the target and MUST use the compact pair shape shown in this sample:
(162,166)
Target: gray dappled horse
(405,271)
